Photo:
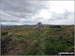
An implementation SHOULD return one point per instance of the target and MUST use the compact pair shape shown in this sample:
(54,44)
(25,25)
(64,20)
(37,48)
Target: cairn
(38,25)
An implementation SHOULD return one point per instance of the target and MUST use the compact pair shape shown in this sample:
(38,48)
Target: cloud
(22,6)
(31,12)
(65,18)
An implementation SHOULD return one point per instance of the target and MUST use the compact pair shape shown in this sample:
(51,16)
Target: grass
(42,41)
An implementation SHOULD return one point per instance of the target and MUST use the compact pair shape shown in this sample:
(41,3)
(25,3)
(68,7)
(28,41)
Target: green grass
(43,41)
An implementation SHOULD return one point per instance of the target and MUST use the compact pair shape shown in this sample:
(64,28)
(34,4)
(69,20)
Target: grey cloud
(22,5)
(2,20)
(24,8)
(65,16)
(15,10)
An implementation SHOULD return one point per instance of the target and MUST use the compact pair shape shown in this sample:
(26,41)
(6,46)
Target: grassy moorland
(43,41)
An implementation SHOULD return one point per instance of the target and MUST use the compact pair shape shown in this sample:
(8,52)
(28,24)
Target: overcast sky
(20,12)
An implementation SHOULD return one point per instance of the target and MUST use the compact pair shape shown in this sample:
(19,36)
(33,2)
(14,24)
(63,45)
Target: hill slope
(42,41)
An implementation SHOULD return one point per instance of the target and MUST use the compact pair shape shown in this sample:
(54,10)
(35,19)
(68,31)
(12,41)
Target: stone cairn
(38,25)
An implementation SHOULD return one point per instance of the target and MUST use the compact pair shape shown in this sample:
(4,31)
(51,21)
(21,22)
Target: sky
(25,12)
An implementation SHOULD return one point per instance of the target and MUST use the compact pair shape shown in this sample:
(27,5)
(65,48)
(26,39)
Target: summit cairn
(38,25)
